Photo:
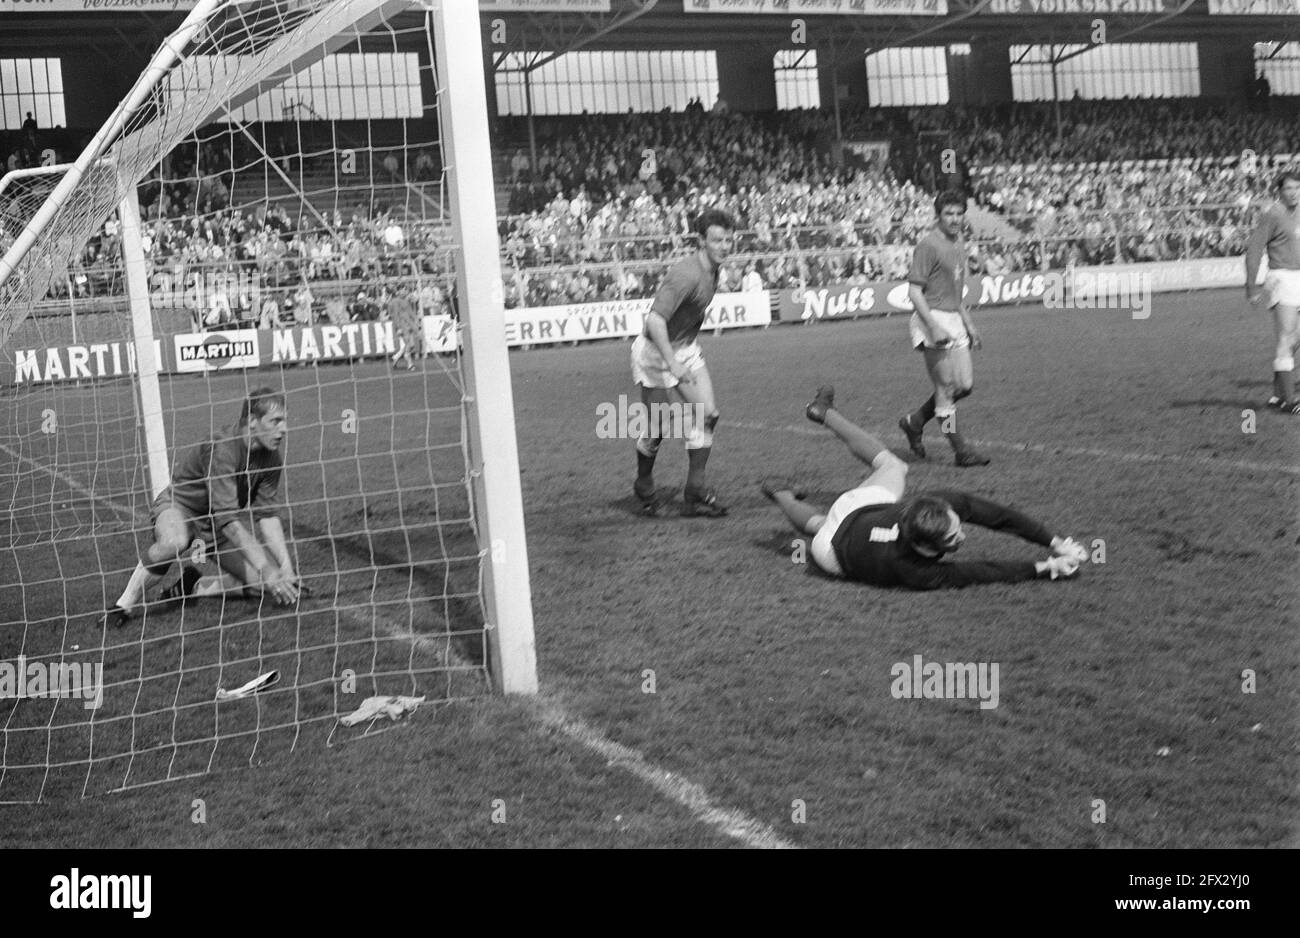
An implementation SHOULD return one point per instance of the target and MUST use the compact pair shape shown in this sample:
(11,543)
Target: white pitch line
(121,507)
(683,791)
(1053,449)
(690,795)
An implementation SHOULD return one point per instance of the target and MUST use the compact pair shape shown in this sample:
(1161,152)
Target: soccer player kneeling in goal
(873,535)
(218,488)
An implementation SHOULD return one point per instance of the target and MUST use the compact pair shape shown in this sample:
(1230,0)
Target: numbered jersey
(869,549)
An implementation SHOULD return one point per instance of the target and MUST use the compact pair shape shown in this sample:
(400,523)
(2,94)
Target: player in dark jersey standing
(873,536)
(222,492)
(1278,233)
(668,365)
(941,328)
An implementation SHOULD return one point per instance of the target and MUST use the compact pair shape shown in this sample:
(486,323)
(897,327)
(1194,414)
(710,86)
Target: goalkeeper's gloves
(1057,567)
(1069,547)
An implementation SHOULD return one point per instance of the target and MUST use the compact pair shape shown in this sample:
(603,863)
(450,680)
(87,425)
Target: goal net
(277,203)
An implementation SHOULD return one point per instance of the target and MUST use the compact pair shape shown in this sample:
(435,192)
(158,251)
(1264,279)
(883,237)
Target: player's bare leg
(939,367)
(1287,330)
(805,518)
(889,470)
(655,401)
(699,499)
(171,538)
(952,372)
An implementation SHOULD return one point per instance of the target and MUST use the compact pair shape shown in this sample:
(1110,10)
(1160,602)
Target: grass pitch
(1121,690)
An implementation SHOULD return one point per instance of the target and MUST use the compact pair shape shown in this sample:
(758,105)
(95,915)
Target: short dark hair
(713,216)
(949,197)
(259,403)
(924,522)
(1287,174)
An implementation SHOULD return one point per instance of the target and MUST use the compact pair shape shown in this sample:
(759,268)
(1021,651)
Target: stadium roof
(662,24)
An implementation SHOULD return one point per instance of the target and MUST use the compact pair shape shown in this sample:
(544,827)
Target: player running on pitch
(1278,232)
(223,490)
(668,365)
(874,536)
(941,328)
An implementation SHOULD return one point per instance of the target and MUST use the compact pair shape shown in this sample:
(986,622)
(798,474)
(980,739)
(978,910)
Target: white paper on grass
(261,682)
(372,708)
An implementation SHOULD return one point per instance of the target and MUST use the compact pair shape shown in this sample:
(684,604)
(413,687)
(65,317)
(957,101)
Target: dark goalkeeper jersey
(868,548)
(224,478)
(684,297)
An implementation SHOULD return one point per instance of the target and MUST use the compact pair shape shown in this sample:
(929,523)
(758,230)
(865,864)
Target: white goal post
(487,365)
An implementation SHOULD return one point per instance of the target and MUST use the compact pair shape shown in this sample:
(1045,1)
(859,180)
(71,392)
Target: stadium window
(796,79)
(31,86)
(608,82)
(1113,70)
(357,86)
(907,76)
(1280,64)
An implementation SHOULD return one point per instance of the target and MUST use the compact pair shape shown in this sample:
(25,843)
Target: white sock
(133,595)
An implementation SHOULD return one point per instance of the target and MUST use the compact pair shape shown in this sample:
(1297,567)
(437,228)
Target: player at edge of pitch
(1278,233)
(670,369)
(941,328)
(218,488)
(873,535)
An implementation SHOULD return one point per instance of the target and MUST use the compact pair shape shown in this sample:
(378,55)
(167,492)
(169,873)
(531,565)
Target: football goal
(295,196)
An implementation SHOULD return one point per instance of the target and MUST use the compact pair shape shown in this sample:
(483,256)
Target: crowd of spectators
(1125,180)
(1126,129)
(611,198)
(614,202)
(228,264)
(1147,211)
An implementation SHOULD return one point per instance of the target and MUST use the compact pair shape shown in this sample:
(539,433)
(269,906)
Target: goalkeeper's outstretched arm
(1067,554)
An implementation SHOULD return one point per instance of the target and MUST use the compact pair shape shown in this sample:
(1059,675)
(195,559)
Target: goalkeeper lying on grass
(223,490)
(871,536)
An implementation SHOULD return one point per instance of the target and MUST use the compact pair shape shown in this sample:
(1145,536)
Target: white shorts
(651,371)
(1283,288)
(950,321)
(862,497)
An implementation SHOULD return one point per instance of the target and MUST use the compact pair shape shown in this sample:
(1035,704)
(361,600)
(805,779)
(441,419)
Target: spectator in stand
(269,317)
(364,308)
(336,311)
(302,304)
(406,324)
(425,168)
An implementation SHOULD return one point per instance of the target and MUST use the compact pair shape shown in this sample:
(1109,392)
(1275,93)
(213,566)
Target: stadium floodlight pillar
(494,449)
(146,359)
